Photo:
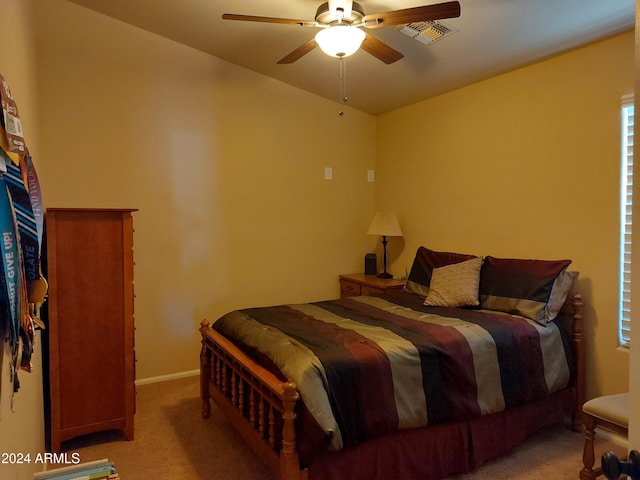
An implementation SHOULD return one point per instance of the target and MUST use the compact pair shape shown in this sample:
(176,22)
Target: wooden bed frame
(262,408)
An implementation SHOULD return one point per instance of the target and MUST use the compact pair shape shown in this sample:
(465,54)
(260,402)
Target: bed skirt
(438,451)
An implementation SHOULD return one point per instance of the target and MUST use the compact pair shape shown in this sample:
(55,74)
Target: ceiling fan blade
(253,18)
(380,50)
(299,52)
(412,15)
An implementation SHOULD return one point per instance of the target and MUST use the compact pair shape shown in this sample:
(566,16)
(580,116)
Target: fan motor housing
(324,15)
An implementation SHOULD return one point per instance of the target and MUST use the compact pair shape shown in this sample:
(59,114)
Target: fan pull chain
(343,83)
(343,80)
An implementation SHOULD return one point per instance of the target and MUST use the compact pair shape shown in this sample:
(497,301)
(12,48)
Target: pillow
(559,293)
(523,287)
(423,264)
(455,285)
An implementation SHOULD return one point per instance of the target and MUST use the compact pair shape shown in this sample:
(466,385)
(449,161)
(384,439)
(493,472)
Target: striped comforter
(369,365)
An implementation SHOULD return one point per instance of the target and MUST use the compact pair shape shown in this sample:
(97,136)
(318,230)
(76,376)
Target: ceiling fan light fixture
(340,40)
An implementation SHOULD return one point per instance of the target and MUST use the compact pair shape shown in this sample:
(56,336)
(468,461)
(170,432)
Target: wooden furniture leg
(610,412)
(588,456)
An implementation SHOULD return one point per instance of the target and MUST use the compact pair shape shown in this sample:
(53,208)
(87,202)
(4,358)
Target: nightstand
(355,284)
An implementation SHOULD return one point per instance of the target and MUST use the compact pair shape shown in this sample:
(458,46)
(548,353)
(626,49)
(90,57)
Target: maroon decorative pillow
(520,287)
(423,264)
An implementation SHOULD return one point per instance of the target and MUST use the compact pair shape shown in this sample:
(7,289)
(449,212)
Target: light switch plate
(328,173)
(371,176)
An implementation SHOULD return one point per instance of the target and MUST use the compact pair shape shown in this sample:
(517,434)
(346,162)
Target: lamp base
(384,275)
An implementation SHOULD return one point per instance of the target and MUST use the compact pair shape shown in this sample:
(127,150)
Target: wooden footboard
(259,405)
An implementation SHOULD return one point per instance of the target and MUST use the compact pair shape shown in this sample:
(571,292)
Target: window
(626,205)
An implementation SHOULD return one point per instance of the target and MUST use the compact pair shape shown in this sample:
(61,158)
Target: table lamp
(385,224)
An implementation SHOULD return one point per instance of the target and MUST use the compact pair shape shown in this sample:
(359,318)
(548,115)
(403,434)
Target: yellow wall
(21,431)
(225,165)
(527,165)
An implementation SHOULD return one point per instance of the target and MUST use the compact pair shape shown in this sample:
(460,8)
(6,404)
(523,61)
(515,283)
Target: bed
(473,356)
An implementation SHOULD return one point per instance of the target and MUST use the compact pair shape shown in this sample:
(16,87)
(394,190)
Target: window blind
(626,220)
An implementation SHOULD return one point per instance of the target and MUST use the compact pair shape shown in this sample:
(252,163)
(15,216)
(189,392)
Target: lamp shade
(340,40)
(385,223)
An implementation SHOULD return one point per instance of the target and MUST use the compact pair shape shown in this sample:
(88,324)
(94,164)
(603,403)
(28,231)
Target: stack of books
(98,470)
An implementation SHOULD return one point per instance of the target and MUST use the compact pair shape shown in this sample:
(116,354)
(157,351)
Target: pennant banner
(12,277)
(23,288)
(25,220)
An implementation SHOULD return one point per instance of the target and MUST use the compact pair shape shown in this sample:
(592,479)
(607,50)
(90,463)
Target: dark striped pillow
(521,287)
(423,264)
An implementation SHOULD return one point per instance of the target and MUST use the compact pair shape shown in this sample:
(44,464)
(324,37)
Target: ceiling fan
(340,22)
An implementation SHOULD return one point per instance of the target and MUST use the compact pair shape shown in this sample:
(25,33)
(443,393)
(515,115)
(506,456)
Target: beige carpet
(172,441)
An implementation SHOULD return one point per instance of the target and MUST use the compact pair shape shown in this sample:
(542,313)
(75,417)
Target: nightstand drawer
(366,290)
(349,289)
(356,284)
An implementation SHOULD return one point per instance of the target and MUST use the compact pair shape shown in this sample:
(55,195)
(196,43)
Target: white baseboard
(165,378)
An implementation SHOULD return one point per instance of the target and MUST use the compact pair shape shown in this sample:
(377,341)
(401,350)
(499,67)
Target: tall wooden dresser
(90,327)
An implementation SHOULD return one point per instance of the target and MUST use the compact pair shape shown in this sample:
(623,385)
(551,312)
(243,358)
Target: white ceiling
(494,36)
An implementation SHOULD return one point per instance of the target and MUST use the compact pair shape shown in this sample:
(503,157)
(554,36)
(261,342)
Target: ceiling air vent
(428,32)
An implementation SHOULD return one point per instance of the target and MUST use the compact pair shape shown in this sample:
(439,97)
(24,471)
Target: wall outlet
(371,176)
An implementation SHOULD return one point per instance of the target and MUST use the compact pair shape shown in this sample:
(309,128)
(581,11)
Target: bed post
(289,460)
(577,337)
(205,375)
